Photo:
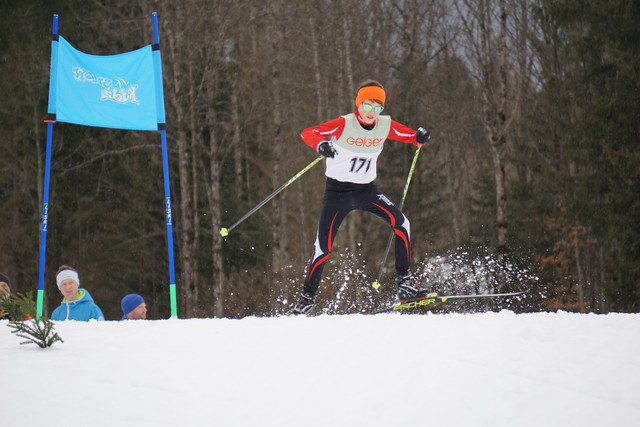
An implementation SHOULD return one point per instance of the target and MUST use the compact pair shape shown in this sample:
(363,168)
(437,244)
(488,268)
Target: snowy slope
(491,369)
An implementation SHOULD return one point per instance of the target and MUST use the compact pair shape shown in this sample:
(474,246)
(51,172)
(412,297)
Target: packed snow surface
(488,369)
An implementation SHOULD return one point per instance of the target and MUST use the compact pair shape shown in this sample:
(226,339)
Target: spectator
(77,303)
(133,307)
(11,305)
(5,285)
(5,290)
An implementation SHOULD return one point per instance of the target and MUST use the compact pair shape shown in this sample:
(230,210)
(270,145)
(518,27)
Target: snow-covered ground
(490,369)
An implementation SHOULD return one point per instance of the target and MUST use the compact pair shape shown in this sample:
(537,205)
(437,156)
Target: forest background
(534,160)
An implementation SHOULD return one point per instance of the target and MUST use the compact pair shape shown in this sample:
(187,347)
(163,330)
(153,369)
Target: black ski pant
(340,198)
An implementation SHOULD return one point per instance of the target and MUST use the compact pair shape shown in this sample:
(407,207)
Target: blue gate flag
(112,91)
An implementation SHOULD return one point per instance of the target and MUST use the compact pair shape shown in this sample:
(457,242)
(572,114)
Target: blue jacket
(82,309)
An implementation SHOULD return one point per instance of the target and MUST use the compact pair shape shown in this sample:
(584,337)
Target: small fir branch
(38,332)
(21,310)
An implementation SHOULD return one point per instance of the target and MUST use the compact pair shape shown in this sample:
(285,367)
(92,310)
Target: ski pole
(376,284)
(225,231)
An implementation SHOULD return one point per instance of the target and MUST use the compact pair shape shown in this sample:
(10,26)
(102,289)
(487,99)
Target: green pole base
(375,285)
(39,304)
(172,293)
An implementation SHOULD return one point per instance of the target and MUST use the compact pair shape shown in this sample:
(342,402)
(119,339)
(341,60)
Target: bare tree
(494,47)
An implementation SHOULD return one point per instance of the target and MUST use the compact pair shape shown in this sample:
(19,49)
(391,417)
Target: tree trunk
(278,231)
(581,278)
(501,198)
(186,225)
(236,142)
(452,196)
(489,52)
(216,243)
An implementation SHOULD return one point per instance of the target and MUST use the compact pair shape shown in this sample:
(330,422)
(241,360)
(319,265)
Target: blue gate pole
(45,217)
(47,170)
(165,161)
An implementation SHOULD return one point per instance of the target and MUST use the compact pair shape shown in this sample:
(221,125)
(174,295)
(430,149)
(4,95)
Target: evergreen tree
(600,42)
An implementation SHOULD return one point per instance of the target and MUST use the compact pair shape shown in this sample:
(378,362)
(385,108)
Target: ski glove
(326,149)
(422,136)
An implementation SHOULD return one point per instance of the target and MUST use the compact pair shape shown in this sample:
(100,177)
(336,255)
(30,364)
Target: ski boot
(304,305)
(408,289)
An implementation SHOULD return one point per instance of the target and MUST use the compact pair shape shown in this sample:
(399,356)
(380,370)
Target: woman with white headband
(77,303)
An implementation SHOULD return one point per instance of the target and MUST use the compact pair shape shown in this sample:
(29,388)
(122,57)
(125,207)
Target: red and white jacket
(357,147)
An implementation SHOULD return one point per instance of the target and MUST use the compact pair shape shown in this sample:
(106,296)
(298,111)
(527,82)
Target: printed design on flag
(116,90)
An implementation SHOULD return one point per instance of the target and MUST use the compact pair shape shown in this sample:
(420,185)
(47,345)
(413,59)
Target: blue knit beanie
(130,302)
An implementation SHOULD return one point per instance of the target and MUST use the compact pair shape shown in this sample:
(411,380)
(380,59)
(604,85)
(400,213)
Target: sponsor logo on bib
(364,142)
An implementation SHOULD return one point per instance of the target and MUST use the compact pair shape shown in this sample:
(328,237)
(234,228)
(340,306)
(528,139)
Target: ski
(434,298)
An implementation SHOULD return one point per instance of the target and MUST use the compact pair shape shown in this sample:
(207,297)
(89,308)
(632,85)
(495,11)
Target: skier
(351,145)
